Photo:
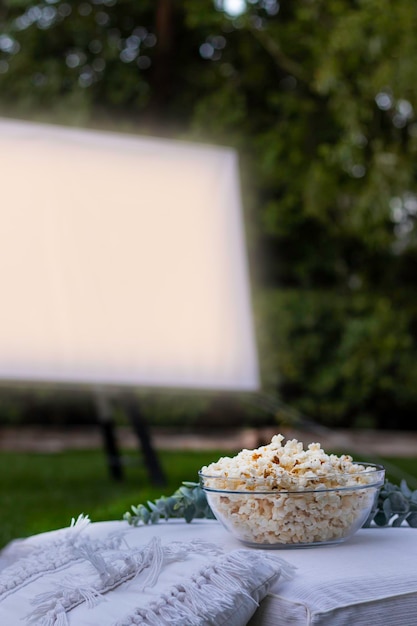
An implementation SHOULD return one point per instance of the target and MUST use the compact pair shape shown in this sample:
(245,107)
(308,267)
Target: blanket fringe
(214,591)
(110,566)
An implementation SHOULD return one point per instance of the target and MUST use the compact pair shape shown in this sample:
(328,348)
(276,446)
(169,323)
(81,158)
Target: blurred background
(319,99)
(320,103)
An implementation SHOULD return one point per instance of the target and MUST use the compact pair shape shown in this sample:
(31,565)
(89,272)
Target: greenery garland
(188,502)
(394,505)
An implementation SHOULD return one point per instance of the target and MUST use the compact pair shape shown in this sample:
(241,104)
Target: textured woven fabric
(115,575)
(372,579)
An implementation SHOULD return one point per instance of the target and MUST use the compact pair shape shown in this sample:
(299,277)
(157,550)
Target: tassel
(56,555)
(81,522)
(154,559)
(118,567)
(55,617)
(78,525)
(75,593)
(61,617)
(214,590)
(199,545)
(86,550)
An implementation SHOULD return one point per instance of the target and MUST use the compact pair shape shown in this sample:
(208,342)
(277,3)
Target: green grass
(41,492)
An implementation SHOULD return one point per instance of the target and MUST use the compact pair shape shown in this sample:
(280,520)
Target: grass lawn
(41,492)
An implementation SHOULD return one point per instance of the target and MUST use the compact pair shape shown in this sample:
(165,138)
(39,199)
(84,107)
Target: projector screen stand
(130,406)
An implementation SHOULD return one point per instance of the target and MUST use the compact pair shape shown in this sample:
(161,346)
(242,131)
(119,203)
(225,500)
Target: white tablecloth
(371,579)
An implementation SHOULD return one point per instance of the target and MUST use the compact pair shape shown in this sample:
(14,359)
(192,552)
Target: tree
(320,99)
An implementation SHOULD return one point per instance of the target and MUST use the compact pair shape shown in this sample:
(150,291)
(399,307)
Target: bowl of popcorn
(282,495)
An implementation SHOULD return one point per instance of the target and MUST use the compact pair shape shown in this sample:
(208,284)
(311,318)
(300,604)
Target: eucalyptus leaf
(386,507)
(405,489)
(412,519)
(399,520)
(396,505)
(154,517)
(381,519)
(398,502)
(189,513)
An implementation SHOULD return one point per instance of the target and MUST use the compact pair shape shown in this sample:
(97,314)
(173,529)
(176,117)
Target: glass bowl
(318,510)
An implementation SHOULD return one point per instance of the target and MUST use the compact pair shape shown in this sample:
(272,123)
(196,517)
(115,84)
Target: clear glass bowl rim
(376,470)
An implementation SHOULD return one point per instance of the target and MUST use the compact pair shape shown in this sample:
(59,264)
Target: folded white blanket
(79,578)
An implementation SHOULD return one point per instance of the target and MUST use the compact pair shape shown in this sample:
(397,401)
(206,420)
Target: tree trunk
(162,76)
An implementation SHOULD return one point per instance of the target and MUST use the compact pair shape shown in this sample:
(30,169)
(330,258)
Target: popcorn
(285,494)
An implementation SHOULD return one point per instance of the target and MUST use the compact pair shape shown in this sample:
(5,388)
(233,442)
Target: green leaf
(381,519)
(399,520)
(398,502)
(386,507)
(395,504)
(412,520)
(189,513)
(405,489)
(188,501)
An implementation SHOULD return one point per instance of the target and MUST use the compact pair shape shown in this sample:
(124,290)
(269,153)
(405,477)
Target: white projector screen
(122,261)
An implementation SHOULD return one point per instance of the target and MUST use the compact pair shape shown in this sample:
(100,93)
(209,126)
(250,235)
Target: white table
(372,579)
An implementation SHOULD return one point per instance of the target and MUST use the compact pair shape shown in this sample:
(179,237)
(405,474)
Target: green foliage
(187,502)
(349,360)
(395,505)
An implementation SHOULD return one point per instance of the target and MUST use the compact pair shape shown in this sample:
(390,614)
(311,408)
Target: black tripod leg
(141,430)
(114,461)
